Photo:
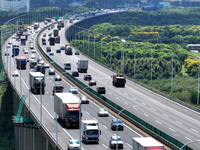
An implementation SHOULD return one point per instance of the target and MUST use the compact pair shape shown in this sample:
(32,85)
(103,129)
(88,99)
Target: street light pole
(94,45)
(172,72)
(117,120)
(134,58)
(189,143)
(111,54)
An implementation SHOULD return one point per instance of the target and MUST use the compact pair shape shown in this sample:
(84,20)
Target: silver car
(103,112)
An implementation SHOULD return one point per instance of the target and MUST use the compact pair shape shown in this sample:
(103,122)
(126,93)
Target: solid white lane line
(105,127)
(158,122)
(194,130)
(146,115)
(172,130)
(188,138)
(178,122)
(129,145)
(105,146)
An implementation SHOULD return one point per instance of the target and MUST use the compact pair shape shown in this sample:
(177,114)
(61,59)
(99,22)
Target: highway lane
(88,111)
(178,121)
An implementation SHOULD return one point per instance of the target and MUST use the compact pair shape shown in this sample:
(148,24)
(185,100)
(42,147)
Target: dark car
(62,48)
(77,53)
(51,72)
(48,49)
(101,90)
(92,82)
(58,51)
(87,77)
(75,74)
(117,123)
(44,43)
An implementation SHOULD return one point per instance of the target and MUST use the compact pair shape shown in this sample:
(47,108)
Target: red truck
(118,80)
(21,62)
(66,105)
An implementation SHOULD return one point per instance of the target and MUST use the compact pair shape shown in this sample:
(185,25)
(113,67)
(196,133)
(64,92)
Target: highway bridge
(176,120)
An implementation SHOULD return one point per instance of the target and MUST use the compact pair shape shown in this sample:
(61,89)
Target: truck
(52,41)
(47,19)
(58,88)
(55,32)
(146,143)
(118,80)
(82,65)
(39,68)
(67,107)
(68,50)
(71,20)
(15,49)
(37,82)
(21,62)
(91,131)
(23,40)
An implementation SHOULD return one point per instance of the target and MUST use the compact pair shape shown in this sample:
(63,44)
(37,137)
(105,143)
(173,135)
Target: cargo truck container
(21,62)
(68,50)
(15,49)
(23,40)
(55,32)
(51,41)
(82,66)
(146,143)
(66,105)
(37,82)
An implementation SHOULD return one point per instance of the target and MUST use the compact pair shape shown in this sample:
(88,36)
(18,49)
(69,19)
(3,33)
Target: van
(67,66)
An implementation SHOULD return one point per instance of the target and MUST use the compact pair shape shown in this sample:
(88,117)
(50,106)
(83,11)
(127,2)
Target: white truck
(146,143)
(91,131)
(82,66)
(37,82)
(66,105)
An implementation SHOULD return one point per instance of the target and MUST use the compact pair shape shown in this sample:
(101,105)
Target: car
(102,112)
(15,74)
(92,82)
(49,34)
(58,51)
(25,52)
(33,63)
(48,49)
(101,90)
(84,99)
(32,56)
(51,53)
(41,62)
(116,141)
(62,48)
(73,90)
(117,123)
(87,77)
(39,58)
(13,37)
(77,53)
(8,46)
(44,43)
(44,34)
(27,59)
(73,145)
(6,53)
(51,71)
(46,66)
(33,51)
(31,47)
(75,73)
(49,28)
(24,49)
(10,42)
(67,66)
(58,78)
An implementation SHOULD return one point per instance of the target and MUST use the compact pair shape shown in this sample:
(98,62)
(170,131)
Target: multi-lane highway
(48,115)
(171,118)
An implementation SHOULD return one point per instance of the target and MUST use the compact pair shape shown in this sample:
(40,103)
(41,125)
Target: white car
(31,47)
(33,57)
(24,49)
(25,52)
(73,145)
(33,51)
(15,74)
(114,141)
(103,112)
(46,66)
(8,46)
(73,90)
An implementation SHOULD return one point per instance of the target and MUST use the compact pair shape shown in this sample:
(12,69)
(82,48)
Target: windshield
(92,132)
(59,88)
(73,114)
(103,109)
(74,142)
(117,139)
